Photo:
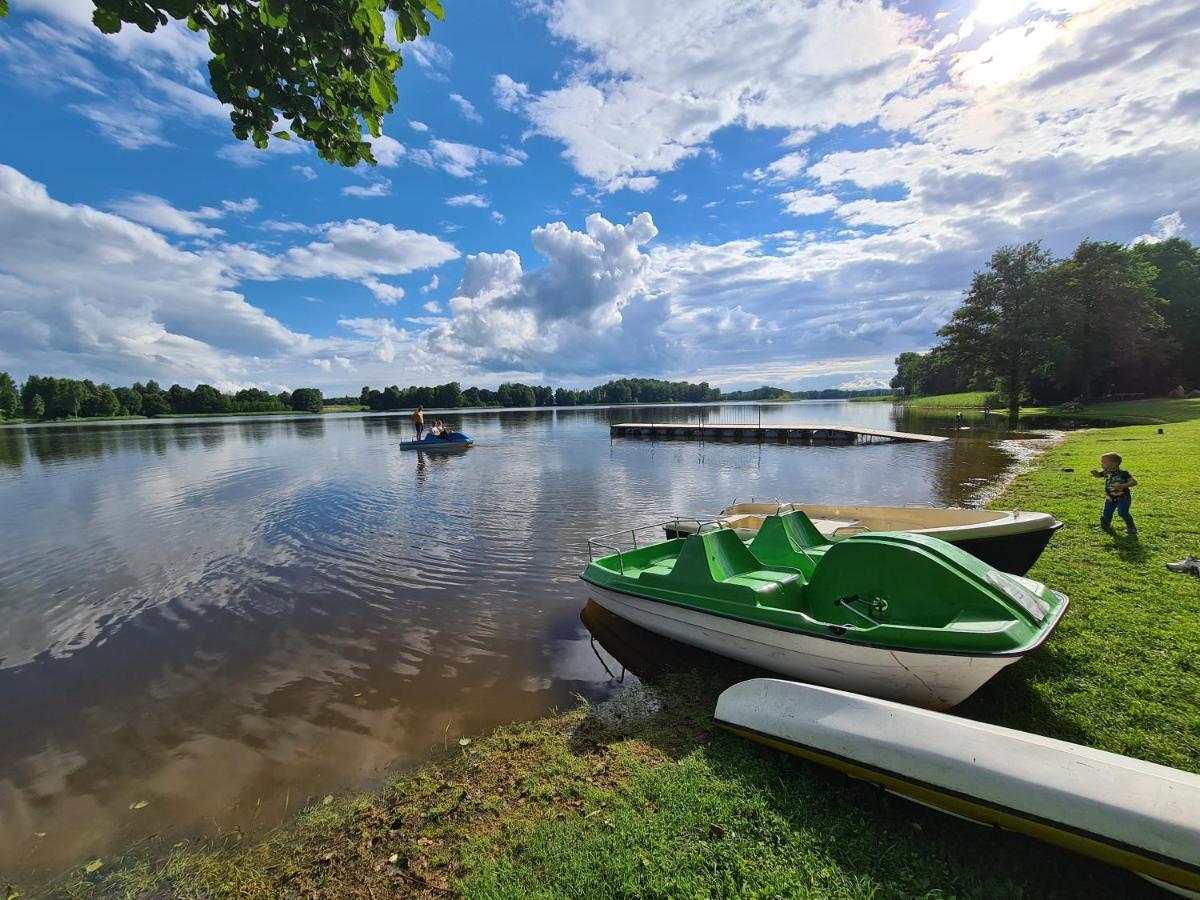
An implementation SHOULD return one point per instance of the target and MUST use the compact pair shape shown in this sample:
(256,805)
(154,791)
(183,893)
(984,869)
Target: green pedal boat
(901,616)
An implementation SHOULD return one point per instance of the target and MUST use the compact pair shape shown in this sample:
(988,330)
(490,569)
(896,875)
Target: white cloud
(509,94)
(417,126)
(432,307)
(657,81)
(378,188)
(352,250)
(585,305)
(476,200)
(467,108)
(305,172)
(387,294)
(432,286)
(806,203)
(786,168)
(1164,228)
(324,365)
(429,55)
(249,205)
(462,160)
(161,215)
(679,198)
(498,217)
(387,151)
(84,292)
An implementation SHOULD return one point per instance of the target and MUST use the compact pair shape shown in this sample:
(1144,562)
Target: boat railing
(608,541)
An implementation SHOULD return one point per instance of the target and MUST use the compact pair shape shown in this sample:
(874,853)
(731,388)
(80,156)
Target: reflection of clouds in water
(232,616)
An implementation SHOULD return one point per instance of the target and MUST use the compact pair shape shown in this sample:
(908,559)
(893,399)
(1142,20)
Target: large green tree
(10,400)
(1177,282)
(322,71)
(1004,328)
(1114,320)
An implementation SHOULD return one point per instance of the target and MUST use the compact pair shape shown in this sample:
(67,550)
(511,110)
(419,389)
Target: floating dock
(799,434)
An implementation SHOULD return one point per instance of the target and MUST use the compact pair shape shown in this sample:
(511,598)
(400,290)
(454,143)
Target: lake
(226,618)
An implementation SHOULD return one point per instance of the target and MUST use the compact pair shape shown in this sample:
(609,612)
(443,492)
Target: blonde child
(1117,497)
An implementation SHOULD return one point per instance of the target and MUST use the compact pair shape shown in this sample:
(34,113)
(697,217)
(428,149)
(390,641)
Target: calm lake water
(227,618)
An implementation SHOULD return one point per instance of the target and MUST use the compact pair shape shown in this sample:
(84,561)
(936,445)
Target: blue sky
(771,192)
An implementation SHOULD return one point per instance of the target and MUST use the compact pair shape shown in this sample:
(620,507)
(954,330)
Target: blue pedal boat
(455,440)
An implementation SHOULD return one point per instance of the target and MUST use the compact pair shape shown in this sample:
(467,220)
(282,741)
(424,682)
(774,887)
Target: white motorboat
(1134,814)
(1008,541)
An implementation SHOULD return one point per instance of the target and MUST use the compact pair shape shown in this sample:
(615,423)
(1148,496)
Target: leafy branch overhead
(323,70)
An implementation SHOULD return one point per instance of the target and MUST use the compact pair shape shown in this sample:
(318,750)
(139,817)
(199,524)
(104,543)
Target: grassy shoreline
(644,797)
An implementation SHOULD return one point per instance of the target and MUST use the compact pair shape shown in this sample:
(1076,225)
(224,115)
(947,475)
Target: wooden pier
(798,434)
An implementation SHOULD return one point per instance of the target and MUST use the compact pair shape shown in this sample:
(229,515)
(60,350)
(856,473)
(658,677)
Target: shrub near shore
(647,798)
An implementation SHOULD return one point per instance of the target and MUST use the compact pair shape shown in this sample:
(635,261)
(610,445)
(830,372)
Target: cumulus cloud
(88,293)
(476,200)
(387,151)
(432,286)
(498,217)
(1164,228)
(387,294)
(417,126)
(94,294)
(305,172)
(587,302)
(806,203)
(509,94)
(659,81)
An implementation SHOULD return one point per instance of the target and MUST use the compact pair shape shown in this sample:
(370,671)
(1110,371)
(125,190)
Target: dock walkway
(807,434)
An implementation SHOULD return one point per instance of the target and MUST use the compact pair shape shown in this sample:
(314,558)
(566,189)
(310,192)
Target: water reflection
(224,618)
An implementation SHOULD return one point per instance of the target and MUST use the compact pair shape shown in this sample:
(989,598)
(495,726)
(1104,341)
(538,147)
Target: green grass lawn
(649,799)
(1128,412)
(965,400)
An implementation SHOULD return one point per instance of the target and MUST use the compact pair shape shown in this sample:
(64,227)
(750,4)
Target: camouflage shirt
(1115,483)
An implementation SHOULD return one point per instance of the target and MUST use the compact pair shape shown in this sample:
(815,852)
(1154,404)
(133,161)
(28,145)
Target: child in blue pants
(1117,497)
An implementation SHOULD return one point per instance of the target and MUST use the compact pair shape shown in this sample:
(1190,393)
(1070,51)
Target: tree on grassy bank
(1108,320)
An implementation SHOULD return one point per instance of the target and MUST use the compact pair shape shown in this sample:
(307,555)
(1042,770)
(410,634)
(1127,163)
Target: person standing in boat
(418,420)
(1117,497)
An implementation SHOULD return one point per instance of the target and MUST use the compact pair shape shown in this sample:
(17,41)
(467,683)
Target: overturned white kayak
(1126,812)
(1009,541)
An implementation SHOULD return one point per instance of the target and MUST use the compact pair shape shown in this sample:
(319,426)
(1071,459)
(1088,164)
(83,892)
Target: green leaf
(436,8)
(93,866)
(3,8)
(282,135)
(141,804)
(106,20)
(274,13)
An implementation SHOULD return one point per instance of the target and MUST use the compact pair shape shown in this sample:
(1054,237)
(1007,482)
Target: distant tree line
(42,397)
(65,398)
(1109,320)
(618,391)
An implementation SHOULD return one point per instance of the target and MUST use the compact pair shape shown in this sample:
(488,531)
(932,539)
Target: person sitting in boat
(443,431)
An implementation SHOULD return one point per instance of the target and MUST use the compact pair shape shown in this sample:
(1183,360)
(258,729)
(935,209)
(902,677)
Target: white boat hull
(1127,812)
(934,680)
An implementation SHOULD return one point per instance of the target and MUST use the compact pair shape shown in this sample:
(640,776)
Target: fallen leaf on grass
(463,742)
(93,866)
(328,799)
(141,804)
